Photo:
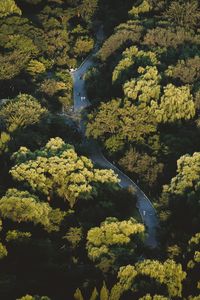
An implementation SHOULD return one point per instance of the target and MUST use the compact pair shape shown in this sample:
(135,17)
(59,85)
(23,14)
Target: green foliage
(35,67)
(23,44)
(133,56)
(9,7)
(78,295)
(29,297)
(58,169)
(116,124)
(175,104)
(128,32)
(21,206)
(185,13)
(11,64)
(144,7)
(13,235)
(188,71)
(104,292)
(83,46)
(50,87)
(4,140)
(87,9)
(3,251)
(74,236)
(167,37)
(94,294)
(16,115)
(168,273)
(155,297)
(104,241)
(143,166)
(146,87)
(188,175)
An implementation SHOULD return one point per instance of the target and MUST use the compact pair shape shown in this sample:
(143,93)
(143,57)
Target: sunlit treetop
(168,273)
(111,232)
(133,57)
(57,168)
(188,175)
(9,7)
(20,112)
(21,206)
(144,7)
(155,297)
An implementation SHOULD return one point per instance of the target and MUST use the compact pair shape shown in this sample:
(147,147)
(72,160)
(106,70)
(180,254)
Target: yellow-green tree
(167,273)
(3,250)
(188,175)
(146,87)
(4,140)
(118,122)
(130,57)
(21,206)
(155,297)
(35,67)
(83,46)
(104,242)
(144,7)
(184,14)
(9,7)
(24,110)
(58,169)
(175,104)
(29,297)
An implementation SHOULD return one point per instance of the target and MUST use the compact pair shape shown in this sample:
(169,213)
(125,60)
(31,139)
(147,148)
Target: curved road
(144,205)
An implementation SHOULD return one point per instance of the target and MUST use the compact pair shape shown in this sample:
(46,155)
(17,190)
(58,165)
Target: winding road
(81,102)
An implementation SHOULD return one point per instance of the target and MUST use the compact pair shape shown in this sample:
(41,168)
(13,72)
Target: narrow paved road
(144,205)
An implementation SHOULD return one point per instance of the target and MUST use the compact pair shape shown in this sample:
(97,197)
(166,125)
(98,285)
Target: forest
(99,150)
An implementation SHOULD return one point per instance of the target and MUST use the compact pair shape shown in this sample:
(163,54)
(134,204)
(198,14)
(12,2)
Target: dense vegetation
(67,228)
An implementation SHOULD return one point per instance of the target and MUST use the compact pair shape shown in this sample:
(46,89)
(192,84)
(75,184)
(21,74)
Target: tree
(87,9)
(144,7)
(4,140)
(180,198)
(144,88)
(35,67)
(51,87)
(184,13)
(124,33)
(155,297)
(104,242)
(131,58)
(188,71)
(188,175)
(168,273)
(9,7)
(21,206)
(78,295)
(143,166)
(57,169)
(118,122)
(21,112)
(3,250)
(104,292)
(74,236)
(83,46)
(29,297)
(16,235)
(175,104)
(12,64)
(167,37)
